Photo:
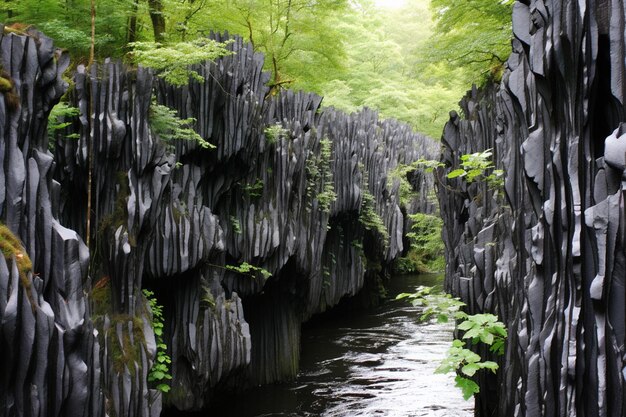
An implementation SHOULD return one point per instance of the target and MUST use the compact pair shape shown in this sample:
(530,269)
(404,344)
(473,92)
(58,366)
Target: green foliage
(429,165)
(165,123)
(328,195)
(59,119)
(320,177)
(247,269)
(478,166)
(235,224)
(485,328)
(473,34)
(302,46)
(475,167)
(274,132)
(383,47)
(477,328)
(254,190)
(159,373)
(427,248)
(172,61)
(68,23)
(400,174)
(369,217)
(435,304)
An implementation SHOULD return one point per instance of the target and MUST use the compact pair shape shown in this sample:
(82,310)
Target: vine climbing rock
(546,252)
(315,206)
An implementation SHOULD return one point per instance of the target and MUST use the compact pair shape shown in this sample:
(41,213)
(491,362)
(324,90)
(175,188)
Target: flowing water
(377,363)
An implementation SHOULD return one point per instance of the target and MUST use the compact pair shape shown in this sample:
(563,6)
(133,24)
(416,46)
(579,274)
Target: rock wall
(312,200)
(546,253)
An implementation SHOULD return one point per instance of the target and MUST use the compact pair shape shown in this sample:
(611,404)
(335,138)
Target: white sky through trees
(390,3)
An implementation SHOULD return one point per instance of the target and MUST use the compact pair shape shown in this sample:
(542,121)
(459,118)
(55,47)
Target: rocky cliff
(96,212)
(546,252)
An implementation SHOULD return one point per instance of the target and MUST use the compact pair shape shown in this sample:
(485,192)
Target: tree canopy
(411,63)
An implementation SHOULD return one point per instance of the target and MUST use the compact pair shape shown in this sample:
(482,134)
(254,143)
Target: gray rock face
(547,253)
(76,327)
(48,350)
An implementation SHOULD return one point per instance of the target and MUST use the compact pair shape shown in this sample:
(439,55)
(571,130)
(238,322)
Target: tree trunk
(9,11)
(132,23)
(92,49)
(158,20)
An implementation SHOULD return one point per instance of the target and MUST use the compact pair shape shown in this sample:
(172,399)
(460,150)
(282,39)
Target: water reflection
(379,363)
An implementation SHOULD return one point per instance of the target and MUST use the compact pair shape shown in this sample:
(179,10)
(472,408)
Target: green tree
(302,46)
(382,46)
(473,34)
(68,22)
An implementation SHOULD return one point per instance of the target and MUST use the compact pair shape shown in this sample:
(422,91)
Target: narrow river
(378,363)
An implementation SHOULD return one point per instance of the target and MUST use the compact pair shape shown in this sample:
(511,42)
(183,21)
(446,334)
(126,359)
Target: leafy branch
(477,166)
(159,373)
(247,269)
(476,328)
(165,123)
(60,117)
(172,62)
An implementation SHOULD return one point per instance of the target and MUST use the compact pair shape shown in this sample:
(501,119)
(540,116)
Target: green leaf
(163,387)
(470,369)
(457,173)
(497,347)
(458,343)
(156,375)
(468,387)
(486,337)
(492,366)
(472,333)
(465,325)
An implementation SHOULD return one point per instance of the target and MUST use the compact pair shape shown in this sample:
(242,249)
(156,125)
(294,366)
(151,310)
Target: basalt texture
(546,251)
(306,194)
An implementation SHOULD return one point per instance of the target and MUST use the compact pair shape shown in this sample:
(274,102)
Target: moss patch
(12,248)
(124,354)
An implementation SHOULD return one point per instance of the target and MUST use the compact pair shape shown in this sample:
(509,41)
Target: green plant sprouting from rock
(405,190)
(165,123)
(274,132)
(234,222)
(59,118)
(320,174)
(475,167)
(369,217)
(255,189)
(477,329)
(159,373)
(248,269)
(479,166)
